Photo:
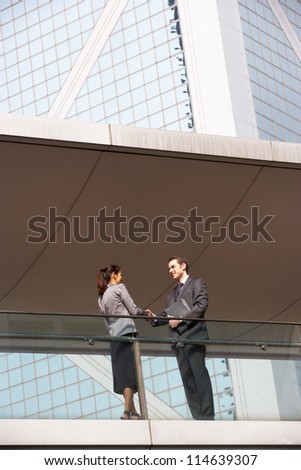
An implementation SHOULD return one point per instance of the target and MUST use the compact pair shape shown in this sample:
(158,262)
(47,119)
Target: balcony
(56,384)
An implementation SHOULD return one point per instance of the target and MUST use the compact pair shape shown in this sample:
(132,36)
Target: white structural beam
(217,70)
(286,26)
(87,58)
(254,389)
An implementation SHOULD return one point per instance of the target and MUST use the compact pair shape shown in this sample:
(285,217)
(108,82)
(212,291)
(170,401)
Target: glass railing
(58,366)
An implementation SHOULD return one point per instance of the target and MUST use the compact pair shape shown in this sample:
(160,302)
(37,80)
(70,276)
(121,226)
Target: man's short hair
(180,259)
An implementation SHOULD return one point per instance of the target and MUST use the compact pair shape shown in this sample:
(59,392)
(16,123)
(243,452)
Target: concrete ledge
(61,432)
(225,433)
(135,139)
(191,143)
(60,130)
(148,433)
(286,152)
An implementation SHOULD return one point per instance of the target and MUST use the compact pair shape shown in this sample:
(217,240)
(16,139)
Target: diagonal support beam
(286,26)
(87,58)
(100,369)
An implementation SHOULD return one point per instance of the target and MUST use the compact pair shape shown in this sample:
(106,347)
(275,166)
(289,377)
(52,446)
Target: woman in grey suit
(114,299)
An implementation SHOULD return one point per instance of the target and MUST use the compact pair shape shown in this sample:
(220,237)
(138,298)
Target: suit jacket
(195,293)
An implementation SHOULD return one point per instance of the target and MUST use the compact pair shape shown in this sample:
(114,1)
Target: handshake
(152,317)
(149,313)
(172,322)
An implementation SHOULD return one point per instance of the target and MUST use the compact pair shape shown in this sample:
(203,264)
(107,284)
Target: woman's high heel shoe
(126,415)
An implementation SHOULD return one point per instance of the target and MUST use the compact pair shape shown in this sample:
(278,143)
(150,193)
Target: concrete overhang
(242,197)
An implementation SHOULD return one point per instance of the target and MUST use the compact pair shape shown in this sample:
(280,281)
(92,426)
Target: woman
(114,299)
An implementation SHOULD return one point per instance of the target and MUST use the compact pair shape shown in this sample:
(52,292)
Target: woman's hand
(150,315)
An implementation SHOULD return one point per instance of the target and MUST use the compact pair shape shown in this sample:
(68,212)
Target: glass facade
(140,76)
(138,79)
(50,386)
(274,69)
(54,386)
(41,42)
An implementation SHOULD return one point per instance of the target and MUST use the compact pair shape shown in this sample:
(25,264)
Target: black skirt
(123,366)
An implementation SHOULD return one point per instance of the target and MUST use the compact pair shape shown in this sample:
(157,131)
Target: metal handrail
(150,340)
(143,317)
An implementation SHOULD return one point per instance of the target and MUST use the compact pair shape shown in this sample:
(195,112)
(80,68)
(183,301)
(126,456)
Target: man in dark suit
(190,357)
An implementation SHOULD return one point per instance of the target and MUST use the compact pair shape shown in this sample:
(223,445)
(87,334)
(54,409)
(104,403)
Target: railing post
(140,384)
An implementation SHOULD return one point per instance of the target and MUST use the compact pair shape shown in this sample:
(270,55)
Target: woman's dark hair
(103,277)
(180,259)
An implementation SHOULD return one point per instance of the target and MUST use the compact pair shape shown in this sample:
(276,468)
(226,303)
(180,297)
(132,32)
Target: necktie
(178,290)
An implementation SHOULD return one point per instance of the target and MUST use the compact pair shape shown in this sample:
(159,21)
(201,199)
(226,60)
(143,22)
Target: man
(190,357)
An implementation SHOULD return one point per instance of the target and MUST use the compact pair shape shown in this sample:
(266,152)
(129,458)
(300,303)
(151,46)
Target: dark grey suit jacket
(195,293)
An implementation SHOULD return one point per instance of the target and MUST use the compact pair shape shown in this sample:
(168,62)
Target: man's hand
(174,323)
